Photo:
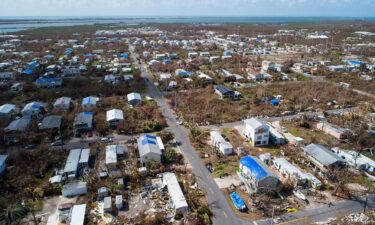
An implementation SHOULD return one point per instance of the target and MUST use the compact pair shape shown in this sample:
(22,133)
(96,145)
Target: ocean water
(13,24)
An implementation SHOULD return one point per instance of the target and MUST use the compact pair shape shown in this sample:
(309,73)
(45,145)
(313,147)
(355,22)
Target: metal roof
(134,96)
(85,155)
(18,125)
(148,143)
(322,154)
(223,90)
(32,106)
(62,100)
(78,215)
(50,122)
(111,154)
(72,161)
(175,191)
(83,118)
(90,100)
(115,114)
(7,108)
(258,168)
(254,123)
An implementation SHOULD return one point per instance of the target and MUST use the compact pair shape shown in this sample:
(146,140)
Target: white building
(62,103)
(111,153)
(150,148)
(177,198)
(134,98)
(32,109)
(289,171)
(220,143)
(7,111)
(114,116)
(355,159)
(78,215)
(257,131)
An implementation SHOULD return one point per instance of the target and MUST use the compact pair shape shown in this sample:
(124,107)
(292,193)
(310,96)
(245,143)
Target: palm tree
(12,214)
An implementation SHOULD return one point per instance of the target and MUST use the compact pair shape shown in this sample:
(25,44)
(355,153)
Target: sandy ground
(225,182)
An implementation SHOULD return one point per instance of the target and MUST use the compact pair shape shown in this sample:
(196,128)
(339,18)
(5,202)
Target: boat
(299,195)
(238,201)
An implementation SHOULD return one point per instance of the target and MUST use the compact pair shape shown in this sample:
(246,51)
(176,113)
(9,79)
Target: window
(259,137)
(266,136)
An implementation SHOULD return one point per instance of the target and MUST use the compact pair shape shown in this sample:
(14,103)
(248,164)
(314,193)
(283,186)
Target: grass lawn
(226,169)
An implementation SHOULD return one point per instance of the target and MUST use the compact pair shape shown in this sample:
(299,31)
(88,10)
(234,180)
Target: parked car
(58,143)
(106,140)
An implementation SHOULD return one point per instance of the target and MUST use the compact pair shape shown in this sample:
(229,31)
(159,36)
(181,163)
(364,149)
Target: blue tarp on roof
(87,101)
(88,113)
(237,201)
(257,170)
(49,56)
(45,80)
(68,51)
(149,139)
(356,62)
(32,65)
(124,55)
(28,71)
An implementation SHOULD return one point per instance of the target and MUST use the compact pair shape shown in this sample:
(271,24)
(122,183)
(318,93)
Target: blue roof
(44,80)
(149,139)
(88,113)
(356,62)
(28,71)
(124,55)
(275,102)
(32,65)
(237,200)
(257,170)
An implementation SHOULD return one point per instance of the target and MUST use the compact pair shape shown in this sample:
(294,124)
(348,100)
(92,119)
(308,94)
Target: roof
(288,167)
(32,106)
(174,190)
(2,159)
(223,90)
(50,122)
(7,108)
(85,155)
(62,100)
(83,118)
(49,80)
(90,100)
(115,114)
(78,215)
(111,154)
(18,125)
(72,161)
(322,154)
(218,139)
(254,123)
(107,202)
(258,168)
(237,200)
(134,96)
(148,144)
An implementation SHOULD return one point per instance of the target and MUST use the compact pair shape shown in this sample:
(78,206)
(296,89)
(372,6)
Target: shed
(119,202)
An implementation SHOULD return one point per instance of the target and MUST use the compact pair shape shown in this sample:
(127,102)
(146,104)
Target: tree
(171,155)
(12,214)
(166,136)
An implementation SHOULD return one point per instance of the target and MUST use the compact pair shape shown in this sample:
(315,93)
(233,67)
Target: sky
(288,8)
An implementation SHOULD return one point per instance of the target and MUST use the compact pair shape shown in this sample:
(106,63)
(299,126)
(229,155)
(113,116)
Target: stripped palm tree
(12,214)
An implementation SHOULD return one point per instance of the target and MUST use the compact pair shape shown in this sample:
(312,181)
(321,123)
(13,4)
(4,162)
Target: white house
(150,148)
(114,116)
(89,103)
(134,98)
(220,143)
(7,111)
(289,171)
(62,103)
(32,109)
(112,152)
(177,198)
(257,131)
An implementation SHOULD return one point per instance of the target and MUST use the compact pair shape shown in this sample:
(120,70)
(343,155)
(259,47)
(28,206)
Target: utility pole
(365,206)
(273,214)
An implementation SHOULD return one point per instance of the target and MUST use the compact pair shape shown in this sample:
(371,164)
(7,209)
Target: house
(72,162)
(276,138)
(165,76)
(177,198)
(335,131)
(119,202)
(78,215)
(83,122)
(7,76)
(7,111)
(107,204)
(16,130)
(206,79)
(322,159)
(110,79)
(84,158)
(150,148)
(225,92)
(48,82)
(16,87)
(3,165)
(74,189)
(355,159)
(90,103)
(63,103)
(268,65)
(256,175)
(257,131)
(51,123)
(114,116)
(220,143)
(32,109)
(71,72)
(112,152)
(290,172)
(134,99)
(128,77)
(182,73)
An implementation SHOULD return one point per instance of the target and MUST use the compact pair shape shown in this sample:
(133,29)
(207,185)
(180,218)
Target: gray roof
(85,155)
(18,125)
(63,101)
(255,123)
(7,108)
(72,161)
(2,159)
(322,154)
(50,122)
(83,118)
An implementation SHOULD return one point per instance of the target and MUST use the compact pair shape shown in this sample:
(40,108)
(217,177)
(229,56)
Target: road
(223,213)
